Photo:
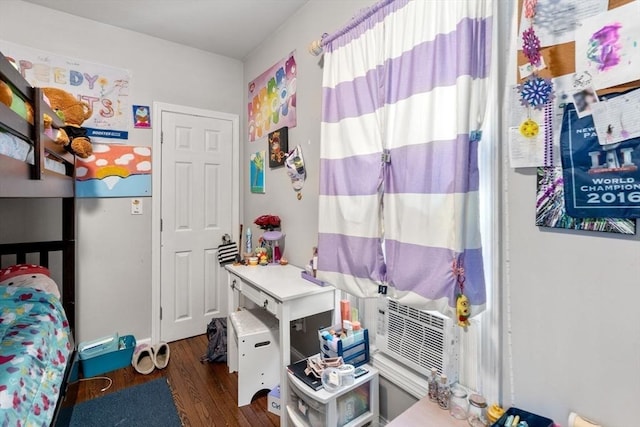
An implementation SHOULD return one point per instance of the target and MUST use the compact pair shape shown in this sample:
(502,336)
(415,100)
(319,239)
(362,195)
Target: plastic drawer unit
(351,406)
(253,350)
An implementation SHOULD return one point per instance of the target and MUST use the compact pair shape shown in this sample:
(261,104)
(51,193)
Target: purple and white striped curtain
(404,92)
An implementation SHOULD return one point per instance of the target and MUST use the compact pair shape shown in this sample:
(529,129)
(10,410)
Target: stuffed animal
(6,94)
(73,113)
(463,310)
(17,104)
(59,136)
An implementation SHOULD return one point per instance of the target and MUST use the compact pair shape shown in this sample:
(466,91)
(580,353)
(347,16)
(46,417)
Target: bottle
(433,385)
(314,262)
(443,392)
(249,243)
(276,253)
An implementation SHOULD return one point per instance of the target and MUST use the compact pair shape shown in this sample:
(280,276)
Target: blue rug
(149,404)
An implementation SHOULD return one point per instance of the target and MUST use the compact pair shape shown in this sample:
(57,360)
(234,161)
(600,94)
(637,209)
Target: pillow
(17,270)
(29,276)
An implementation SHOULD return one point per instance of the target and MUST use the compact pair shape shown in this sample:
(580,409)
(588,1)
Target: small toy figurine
(463,310)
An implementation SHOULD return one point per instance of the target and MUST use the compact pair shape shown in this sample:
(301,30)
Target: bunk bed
(46,171)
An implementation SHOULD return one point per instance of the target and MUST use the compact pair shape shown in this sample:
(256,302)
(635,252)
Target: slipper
(143,359)
(161,353)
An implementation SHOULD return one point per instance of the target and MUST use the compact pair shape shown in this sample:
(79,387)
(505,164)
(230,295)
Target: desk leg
(285,360)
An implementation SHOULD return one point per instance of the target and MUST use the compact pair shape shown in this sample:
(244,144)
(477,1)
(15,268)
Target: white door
(196,211)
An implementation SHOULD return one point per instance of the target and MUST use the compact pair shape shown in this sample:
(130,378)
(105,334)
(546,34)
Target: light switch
(136,206)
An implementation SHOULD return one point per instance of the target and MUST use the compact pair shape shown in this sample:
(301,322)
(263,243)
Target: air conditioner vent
(421,340)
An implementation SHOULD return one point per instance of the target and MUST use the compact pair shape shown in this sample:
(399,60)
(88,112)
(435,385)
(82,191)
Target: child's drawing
(607,46)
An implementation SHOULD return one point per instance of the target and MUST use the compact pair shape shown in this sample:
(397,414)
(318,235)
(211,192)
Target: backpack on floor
(217,335)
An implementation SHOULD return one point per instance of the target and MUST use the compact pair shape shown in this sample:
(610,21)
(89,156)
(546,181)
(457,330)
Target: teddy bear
(21,108)
(73,112)
(6,94)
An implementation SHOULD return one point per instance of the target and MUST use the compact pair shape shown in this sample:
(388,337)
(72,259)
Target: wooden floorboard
(205,394)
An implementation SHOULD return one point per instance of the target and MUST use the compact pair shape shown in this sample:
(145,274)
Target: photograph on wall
(141,117)
(278,147)
(584,99)
(607,46)
(601,180)
(114,170)
(256,171)
(272,99)
(550,210)
(106,89)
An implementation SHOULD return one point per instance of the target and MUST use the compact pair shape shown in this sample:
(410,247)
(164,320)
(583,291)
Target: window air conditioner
(421,340)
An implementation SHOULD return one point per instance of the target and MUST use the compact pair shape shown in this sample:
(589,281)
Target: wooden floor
(205,393)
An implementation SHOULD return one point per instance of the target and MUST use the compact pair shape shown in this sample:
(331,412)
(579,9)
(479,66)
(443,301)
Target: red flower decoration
(267,222)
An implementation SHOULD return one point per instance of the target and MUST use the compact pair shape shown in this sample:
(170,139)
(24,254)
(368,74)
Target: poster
(272,99)
(278,147)
(114,170)
(105,88)
(551,212)
(141,117)
(256,171)
(607,46)
(600,180)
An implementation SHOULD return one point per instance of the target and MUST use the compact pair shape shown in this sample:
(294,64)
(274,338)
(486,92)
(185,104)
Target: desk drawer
(247,290)
(269,303)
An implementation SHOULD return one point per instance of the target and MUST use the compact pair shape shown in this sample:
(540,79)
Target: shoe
(143,360)
(161,353)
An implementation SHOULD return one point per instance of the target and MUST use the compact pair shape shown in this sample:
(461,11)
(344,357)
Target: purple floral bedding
(34,349)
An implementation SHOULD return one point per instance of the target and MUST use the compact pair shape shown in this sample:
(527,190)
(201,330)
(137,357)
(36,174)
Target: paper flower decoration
(531,46)
(530,8)
(535,92)
(267,222)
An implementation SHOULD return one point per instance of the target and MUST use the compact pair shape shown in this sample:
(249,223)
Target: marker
(516,420)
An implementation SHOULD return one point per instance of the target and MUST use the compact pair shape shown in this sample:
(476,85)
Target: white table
(425,413)
(281,291)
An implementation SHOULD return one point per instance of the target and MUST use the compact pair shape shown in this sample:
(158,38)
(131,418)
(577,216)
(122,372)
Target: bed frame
(22,180)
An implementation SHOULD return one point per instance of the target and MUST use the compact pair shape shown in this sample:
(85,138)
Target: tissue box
(273,400)
(104,362)
(97,347)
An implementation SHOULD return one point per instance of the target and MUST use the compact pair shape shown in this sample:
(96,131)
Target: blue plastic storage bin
(532,420)
(110,361)
(354,349)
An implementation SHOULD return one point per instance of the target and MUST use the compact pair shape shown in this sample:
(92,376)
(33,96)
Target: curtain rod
(316,47)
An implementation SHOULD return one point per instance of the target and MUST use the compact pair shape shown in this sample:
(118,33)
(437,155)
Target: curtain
(404,95)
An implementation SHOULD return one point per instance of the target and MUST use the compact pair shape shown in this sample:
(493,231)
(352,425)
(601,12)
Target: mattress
(36,345)
(16,148)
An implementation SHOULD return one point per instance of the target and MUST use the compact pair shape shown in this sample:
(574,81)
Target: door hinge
(160,313)
(161,224)
(161,137)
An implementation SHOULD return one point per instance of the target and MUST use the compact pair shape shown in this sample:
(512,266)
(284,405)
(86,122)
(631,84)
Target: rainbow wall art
(114,170)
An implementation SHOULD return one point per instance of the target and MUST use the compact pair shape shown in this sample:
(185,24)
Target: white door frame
(156,202)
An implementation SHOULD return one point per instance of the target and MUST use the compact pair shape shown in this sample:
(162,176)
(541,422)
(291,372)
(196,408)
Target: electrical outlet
(136,206)
(300,325)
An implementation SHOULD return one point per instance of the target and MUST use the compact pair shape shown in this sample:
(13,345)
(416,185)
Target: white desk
(425,413)
(281,291)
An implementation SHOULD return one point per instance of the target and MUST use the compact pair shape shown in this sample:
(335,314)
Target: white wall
(114,248)
(299,217)
(571,334)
